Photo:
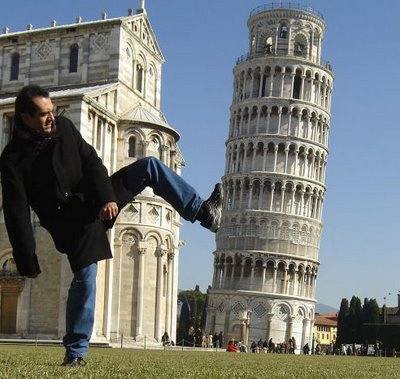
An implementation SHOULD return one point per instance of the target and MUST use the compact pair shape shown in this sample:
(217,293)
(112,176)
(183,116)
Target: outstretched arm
(18,221)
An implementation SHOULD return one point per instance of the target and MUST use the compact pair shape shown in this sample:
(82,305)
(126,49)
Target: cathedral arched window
(130,65)
(132,147)
(152,85)
(99,130)
(73,57)
(14,73)
(139,77)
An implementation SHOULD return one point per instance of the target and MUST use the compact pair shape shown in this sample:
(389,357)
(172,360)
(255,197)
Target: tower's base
(250,316)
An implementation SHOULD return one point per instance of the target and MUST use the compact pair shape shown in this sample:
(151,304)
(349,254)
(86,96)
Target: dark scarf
(38,141)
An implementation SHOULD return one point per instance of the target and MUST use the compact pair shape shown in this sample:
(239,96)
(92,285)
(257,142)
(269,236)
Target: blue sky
(201,41)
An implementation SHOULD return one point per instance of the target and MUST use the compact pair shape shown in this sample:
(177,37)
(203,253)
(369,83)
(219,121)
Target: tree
(195,301)
(342,327)
(184,322)
(355,321)
(374,311)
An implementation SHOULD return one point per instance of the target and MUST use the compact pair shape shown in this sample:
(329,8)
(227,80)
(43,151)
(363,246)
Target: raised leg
(151,172)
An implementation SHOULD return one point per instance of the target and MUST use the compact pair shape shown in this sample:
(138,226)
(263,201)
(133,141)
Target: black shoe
(73,361)
(211,210)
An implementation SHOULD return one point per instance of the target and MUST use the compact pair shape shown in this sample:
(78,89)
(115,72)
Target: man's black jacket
(65,183)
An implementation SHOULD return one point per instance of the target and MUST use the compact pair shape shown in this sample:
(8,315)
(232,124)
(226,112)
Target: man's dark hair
(24,103)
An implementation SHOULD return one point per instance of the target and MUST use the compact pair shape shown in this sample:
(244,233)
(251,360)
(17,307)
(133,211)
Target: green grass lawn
(43,362)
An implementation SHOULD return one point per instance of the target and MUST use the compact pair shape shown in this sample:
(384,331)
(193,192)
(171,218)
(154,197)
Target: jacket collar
(25,134)
(32,139)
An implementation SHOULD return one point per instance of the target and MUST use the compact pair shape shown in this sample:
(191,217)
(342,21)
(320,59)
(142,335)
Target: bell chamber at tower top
(286,29)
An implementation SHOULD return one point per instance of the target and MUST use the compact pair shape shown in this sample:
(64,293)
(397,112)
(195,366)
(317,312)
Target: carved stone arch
(130,45)
(141,58)
(266,41)
(134,139)
(127,131)
(129,239)
(293,263)
(256,182)
(153,243)
(7,263)
(152,66)
(283,23)
(299,70)
(168,241)
(129,230)
(282,311)
(155,234)
(278,69)
(300,313)
(295,111)
(271,263)
(157,134)
(155,144)
(4,255)
(281,263)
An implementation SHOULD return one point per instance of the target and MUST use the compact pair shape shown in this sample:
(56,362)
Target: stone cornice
(273,296)
(274,176)
(54,32)
(280,101)
(280,60)
(273,137)
(265,213)
(265,254)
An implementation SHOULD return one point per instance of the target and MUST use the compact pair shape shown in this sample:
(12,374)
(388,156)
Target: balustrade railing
(286,5)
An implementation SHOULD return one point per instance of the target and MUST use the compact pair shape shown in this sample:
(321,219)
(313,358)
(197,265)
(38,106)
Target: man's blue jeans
(146,172)
(151,172)
(80,311)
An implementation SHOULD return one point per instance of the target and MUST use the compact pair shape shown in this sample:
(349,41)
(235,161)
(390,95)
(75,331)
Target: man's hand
(108,211)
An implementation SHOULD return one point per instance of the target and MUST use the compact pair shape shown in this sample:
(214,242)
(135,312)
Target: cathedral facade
(105,76)
(266,258)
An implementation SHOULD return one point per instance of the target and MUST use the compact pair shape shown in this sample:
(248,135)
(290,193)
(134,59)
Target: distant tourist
(210,341)
(231,348)
(306,349)
(220,339)
(165,339)
(271,346)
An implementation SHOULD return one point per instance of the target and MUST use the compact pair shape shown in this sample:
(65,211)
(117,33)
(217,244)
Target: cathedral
(105,76)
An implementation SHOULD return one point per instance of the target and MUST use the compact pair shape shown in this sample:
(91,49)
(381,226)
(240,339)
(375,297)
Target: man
(48,166)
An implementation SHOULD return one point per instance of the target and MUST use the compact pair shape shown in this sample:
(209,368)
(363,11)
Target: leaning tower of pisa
(266,258)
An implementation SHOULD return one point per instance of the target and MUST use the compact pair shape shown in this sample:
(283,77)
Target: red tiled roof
(327,319)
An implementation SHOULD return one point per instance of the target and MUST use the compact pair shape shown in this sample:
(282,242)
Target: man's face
(43,119)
